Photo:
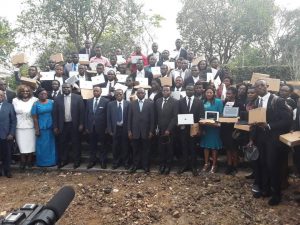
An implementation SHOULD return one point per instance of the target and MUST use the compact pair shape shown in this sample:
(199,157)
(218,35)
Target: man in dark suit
(87,49)
(181,51)
(59,76)
(95,125)
(189,105)
(194,76)
(8,123)
(55,90)
(166,120)
(141,129)
(296,127)
(8,94)
(267,180)
(117,127)
(141,72)
(68,121)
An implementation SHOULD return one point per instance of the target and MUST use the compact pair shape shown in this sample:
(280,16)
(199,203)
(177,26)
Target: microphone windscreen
(60,202)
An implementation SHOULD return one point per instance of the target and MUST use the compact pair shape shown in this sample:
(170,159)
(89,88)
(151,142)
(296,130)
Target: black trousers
(120,147)
(94,138)
(5,155)
(296,158)
(165,147)
(267,168)
(69,133)
(188,148)
(141,152)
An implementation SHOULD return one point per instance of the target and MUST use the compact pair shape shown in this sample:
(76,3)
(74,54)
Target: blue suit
(8,123)
(120,133)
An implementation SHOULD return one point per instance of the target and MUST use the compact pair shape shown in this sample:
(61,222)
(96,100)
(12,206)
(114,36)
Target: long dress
(211,138)
(25,135)
(45,143)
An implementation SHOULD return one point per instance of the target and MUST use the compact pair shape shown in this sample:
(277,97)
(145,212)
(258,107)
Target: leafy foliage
(7,39)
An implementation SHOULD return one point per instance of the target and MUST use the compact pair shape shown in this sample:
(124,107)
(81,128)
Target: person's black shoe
(275,200)
(181,171)
(103,165)
(90,165)
(115,167)
(162,169)
(256,191)
(22,166)
(76,165)
(195,172)
(126,167)
(133,169)
(8,175)
(167,171)
(265,194)
(146,169)
(250,176)
(228,170)
(61,165)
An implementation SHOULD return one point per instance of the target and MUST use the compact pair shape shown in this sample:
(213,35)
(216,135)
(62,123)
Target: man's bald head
(261,87)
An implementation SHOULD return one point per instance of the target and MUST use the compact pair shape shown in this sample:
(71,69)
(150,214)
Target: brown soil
(150,199)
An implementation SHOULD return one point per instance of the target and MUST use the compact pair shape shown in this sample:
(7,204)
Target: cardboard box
(87,93)
(290,139)
(84,59)
(194,129)
(29,82)
(57,57)
(166,81)
(20,58)
(296,86)
(228,119)
(258,76)
(242,127)
(258,115)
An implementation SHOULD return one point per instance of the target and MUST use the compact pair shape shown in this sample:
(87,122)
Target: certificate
(93,66)
(122,78)
(183,93)
(105,92)
(171,65)
(212,115)
(86,93)
(98,80)
(47,75)
(86,84)
(209,77)
(185,119)
(120,59)
(176,95)
(217,82)
(84,59)
(72,80)
(135,58)
(229,111)
(142,81)
(155,70)
(120,86)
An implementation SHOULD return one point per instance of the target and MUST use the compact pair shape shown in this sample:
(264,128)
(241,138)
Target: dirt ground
(121,198)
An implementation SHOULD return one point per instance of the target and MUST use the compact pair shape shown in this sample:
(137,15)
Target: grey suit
(140,124)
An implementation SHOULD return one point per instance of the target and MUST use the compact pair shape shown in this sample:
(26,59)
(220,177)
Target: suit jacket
(296,124)
(197,108)
(10,95)
(50,94)
(8,120)
(112,117)
(159,63)
(189,80)
(77,112)
(183,53)
(148,75)
(141,123)
(166,118)
(97,119)
(83,51)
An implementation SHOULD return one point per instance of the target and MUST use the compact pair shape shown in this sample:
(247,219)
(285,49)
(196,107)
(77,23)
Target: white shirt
(265,100)
(60,80)
(152,95)
(128,94)
(156,55)
(140,74)
(112,83)
(187,101)
(195,79)
(80,78)
(118,103)
(177,89)
(67,104)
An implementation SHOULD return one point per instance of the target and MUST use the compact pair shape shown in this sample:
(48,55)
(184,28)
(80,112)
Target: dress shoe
(8,175)
(146,169)
(195,172)
(275,200)
(61,165)
(256,191)
(103,165)
(76,165)
(133,169)
(115,167)
(90,165)
(182,170)
(228,170)
(250,176)
(126,167)
(167,171)
(162,169)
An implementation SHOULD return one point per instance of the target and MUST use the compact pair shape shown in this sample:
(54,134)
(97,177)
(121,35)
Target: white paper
(98,80)
(104,91)
(174,54)
(176,95)
(214,71)
(135,58)
(120,86)
(142,81)
(93,66)
(86,84)
(176,73)
(47,75)
(122,78)
(217,82)
(73,73)
(155,70)
(183,93)
(209,77)
(72,79)
(171,65)
(185,119)
(120,59)
(84,57)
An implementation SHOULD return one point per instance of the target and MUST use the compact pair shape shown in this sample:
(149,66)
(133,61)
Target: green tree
(7,39)
(221,27)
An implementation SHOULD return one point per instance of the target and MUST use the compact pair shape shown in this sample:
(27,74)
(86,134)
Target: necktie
(88,51)
(189,104)
(177,89)
(141,105)
(95,105)
(165,102)
(119,113)
(260,103)
(54,94)
(109,87)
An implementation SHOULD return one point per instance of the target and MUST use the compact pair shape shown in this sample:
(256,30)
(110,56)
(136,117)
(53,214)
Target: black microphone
(56,207)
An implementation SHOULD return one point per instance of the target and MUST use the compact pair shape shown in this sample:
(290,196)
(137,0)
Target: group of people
(143,119)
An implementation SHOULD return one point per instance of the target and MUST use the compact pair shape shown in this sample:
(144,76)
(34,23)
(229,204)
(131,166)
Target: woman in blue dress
(211,140)
(45,142)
